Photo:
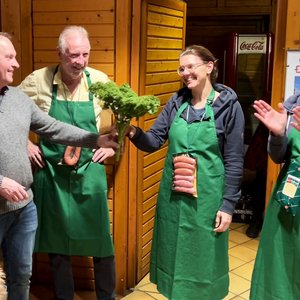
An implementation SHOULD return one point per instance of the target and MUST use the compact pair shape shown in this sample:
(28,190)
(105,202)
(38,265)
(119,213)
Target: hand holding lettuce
(125,105)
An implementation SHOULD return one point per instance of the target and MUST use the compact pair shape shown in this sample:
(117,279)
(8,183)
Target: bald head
(8,62)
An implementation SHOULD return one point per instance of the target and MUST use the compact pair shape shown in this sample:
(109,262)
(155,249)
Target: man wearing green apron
(71,198)
(203,124)
(276,272)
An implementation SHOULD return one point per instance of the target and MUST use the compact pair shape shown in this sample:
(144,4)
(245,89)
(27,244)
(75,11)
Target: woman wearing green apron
(276,274)
(203,124)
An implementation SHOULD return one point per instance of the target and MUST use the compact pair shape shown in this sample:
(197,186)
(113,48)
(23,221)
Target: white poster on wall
(292,78)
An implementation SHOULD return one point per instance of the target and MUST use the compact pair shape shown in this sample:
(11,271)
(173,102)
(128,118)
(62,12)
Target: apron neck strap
(89,82)
(54,86)
(211,96)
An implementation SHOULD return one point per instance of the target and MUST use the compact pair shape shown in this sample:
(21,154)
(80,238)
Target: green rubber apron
(189,261)
(72,205)
(276,274)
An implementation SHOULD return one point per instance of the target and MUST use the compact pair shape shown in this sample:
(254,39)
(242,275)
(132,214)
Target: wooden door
(162,37)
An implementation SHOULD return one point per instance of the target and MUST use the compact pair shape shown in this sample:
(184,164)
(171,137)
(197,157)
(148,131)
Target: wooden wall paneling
(202,4)
(149,204)
(278,77)
(72,5)
(162,39)
(74,17)
(26,38)
(48,57)
(53,30)
(140,155)
(154,177)
(98,18)
(132,150)
(97,43)
(121,190)
(293,25)
(16,20)
(11,23)
(154,156)
(252,3)
(228,7)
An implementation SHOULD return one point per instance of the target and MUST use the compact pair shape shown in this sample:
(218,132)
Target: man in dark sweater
(18,217)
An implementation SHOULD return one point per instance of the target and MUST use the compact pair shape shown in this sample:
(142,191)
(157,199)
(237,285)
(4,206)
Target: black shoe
(254,229)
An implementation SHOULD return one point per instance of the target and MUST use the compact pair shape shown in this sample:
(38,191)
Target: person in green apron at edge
(276,271)
(70,185)
(204,124)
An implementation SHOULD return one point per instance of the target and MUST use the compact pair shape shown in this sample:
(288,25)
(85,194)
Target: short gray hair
(62,45)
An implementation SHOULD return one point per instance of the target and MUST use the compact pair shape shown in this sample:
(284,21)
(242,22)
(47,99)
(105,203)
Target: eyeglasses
(190,68)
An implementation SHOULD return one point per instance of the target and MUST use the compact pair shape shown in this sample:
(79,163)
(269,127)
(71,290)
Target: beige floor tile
(144,281)
(235,225)
(238,285)
(244,271)
(147,287)
(136,295)
(235,262)
(229,296)
(231,244)
(238,237)
(242,228)
(157,296)
(252,244)
(243,253)
(246,295)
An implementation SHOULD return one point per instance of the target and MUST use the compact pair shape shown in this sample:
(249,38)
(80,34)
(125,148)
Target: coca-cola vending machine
(248,70)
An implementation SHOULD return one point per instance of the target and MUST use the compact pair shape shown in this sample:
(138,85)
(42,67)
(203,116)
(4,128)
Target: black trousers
(104,272)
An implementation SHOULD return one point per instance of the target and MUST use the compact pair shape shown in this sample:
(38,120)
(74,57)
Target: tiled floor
(242,251)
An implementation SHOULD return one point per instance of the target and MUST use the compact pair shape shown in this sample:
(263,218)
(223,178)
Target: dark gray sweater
(19,115)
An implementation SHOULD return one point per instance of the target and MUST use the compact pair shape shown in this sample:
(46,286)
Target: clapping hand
(274,120)
(296,116)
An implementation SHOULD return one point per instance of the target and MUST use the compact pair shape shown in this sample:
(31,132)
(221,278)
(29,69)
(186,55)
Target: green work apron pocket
(288,193)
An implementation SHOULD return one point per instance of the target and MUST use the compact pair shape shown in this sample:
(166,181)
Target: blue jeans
(17,235)
(104,272)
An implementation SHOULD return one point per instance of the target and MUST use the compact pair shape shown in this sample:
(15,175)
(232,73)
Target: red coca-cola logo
(257,45)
